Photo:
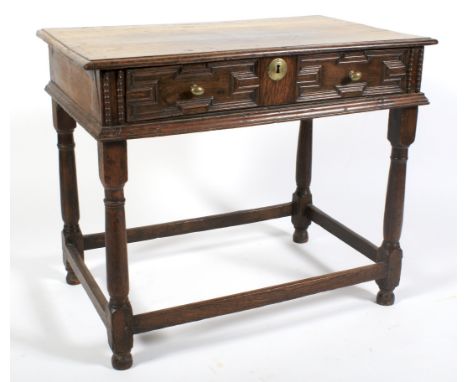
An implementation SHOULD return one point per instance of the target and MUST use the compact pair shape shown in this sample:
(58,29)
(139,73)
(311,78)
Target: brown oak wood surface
(277,92)
(255,298)
(302,197)
(164,91)
(131,82)
(180,227)
(145,45)
(232,119)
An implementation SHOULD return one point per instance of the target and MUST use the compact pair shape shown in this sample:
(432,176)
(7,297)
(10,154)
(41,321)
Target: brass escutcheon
(277,69)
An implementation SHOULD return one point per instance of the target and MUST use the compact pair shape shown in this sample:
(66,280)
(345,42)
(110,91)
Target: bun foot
(300,236)
(72,279)
(385,298)
(122,361)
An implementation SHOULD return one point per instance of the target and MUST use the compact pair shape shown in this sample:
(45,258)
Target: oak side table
(132,82)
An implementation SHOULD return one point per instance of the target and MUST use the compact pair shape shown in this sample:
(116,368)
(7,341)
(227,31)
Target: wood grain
(233,118)
(401,133)
(147,45)
(255,298)
(326,75)
(277,92)
(131,82)
(160,92)
(180,227)
(71,232)
(90,285)
(343,233)
(113,175)
(80,85)
(302,197)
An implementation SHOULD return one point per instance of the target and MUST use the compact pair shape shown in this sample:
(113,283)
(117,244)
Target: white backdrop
(56,333)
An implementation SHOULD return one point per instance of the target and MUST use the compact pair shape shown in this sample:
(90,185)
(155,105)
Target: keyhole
(277,69)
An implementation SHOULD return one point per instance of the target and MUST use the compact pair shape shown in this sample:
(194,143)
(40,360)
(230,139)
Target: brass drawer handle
(354,75)
(197,90)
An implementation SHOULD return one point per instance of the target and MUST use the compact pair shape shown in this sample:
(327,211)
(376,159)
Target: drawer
(351,74)
(169,91)
(176,90)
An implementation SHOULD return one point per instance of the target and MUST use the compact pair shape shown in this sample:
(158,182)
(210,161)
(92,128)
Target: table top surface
(117,46)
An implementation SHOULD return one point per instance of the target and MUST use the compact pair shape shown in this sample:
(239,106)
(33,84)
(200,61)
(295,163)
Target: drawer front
(351,74)
(170,91)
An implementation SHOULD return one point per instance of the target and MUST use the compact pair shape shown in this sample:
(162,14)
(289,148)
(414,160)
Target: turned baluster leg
(302,196)
(71,233)
(113,174)
(401,133)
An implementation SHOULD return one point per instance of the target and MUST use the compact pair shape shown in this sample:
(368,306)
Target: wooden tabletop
(122,46)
